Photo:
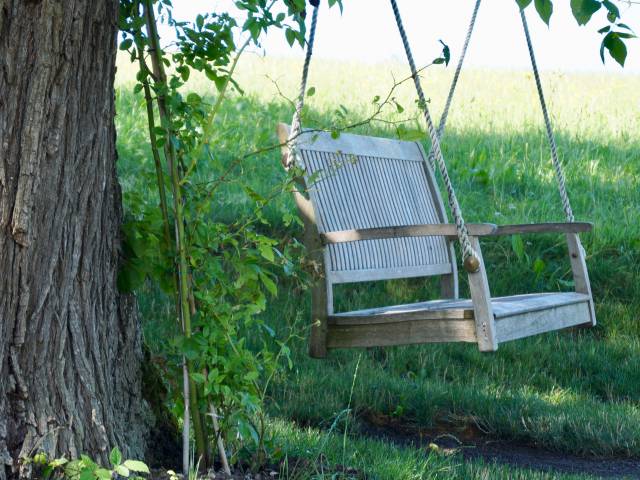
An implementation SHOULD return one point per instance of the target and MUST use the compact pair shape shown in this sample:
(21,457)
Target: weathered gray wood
(349,276)
(436,229)
(434,309)
(70,344)
(374,205)
(401,333)
(321,290)
(534,302)
(527,228)
(460,308)
(350,144)
(580,272)
(540,321)
(449,282)
(368,188)
(483,311)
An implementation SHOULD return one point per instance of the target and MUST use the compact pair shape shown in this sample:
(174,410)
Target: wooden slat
(351,276)
(460,308)
(541,321)
(580,272)
(349,144)
(534,302)
(402,333)
(560,227)
(439,229)
(435,309)
(482,307)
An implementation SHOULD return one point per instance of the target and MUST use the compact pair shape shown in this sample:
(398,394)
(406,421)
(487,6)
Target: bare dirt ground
(473,444)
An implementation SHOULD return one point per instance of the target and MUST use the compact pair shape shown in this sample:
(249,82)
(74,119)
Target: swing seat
(372,211)
(516,316)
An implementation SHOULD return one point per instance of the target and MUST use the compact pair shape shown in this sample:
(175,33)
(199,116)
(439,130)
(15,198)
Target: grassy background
(571,391)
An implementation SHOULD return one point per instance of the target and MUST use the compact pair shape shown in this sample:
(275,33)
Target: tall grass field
(574,392)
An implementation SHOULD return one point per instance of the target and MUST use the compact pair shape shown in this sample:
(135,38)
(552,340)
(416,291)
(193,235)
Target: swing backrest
(357,182)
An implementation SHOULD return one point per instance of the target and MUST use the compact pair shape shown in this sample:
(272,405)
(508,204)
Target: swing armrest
(527,228)
(427,230)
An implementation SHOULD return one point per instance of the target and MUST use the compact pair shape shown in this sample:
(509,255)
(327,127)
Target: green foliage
(84,468)
(615,33)
(544,9)
(219,274)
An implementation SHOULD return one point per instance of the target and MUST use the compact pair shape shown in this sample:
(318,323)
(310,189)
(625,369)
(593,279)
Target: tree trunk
(70,349)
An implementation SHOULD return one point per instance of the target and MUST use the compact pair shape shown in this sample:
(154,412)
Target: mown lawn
(574,392)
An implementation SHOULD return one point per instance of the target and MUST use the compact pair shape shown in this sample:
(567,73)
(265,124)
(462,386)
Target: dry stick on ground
(180,240)
(219,440)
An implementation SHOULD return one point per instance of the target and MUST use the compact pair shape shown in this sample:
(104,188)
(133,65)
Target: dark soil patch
(471,443)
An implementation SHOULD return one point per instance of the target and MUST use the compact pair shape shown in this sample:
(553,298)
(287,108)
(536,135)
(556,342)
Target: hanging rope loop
(469,255)
(557,165)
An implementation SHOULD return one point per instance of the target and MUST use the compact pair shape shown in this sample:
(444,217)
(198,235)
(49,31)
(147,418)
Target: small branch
(219,440)
(180,237)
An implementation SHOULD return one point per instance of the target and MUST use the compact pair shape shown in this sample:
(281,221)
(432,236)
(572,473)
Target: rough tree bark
(70,349)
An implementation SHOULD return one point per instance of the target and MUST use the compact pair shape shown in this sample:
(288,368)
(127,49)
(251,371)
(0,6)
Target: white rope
(467,250)
(454,82)
(557,165)
(296,122)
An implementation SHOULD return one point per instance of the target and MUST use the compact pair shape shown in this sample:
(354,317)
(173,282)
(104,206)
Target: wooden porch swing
(372,211)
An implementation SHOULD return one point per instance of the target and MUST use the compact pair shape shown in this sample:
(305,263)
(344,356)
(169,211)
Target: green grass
(381,460)
(574,391)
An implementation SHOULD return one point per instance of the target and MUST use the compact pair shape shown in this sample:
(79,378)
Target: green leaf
(58,462)
(115,457)
(86,474)
(290,36)
(194,98)
(446,53)
(126,44)
(199,21)
(184,73)
(583,10)
(539,266)
(103,474)
(523,3)
(136,466)
(614,12)
(545,9)
(616,47)
(311,92)
(269,284)
(267,252)
(122,471)
(518,247)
